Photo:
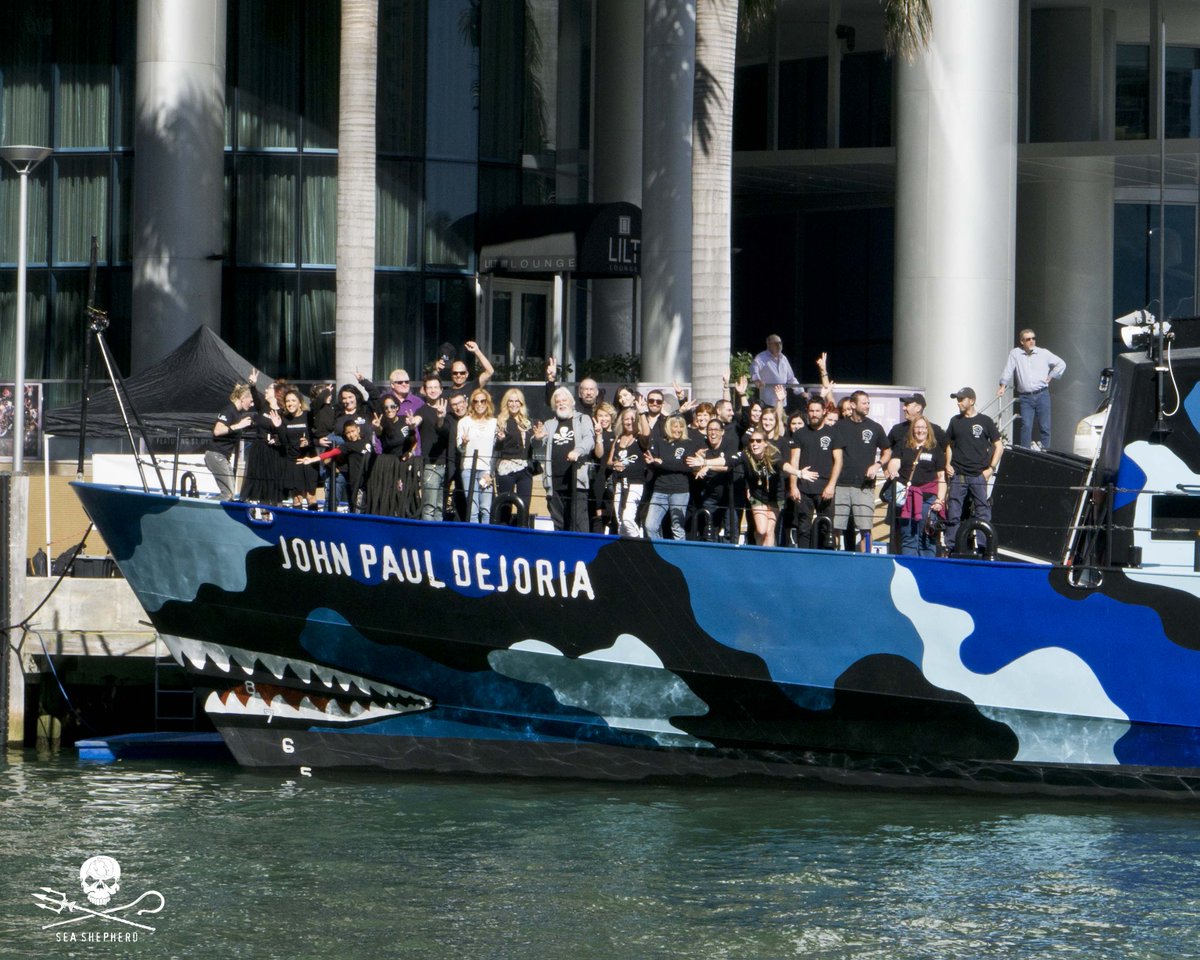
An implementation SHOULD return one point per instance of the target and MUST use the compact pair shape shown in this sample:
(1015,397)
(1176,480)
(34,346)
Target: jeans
(480,507)
(663,504)
(1031,404)
(960,489)
(433,491)
(628,497)
(222,471)
(913,541)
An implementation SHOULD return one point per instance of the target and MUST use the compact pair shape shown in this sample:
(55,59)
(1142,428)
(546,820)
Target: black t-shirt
(297,435)
(673,474)
(562,442)
(714,485)
(633,461)
(972,439)
(366,428)
(435,440)
(929,463)
(816,451)
(860,442)
(225,444)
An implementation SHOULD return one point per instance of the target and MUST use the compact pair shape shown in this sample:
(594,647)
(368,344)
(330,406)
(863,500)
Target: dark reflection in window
(1135,259)
(803,106)
(1133,91)
(400,93)
(1183,92)
(453,94)
(449,214)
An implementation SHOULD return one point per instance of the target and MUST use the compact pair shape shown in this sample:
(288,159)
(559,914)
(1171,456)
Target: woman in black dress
(299,480)
(514,451)
(263,482)
(389,492)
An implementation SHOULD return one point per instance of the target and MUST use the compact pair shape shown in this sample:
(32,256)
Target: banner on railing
(8,419)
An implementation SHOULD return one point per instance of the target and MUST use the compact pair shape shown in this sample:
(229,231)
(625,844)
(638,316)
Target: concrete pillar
(1065,217)
(956,179)
(670,45)
(179,185)
(616,152)
(14,525)
(1065,282)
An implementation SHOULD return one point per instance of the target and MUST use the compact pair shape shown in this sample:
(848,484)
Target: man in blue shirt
(1030,369)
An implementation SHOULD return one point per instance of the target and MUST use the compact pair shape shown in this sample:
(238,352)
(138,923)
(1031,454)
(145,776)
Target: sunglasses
(390,406)
(399,381)
(458,373)
(483,402)
(654,400)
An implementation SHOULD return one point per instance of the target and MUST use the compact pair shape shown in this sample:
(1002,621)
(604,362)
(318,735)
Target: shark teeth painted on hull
(233,660)
(285,703)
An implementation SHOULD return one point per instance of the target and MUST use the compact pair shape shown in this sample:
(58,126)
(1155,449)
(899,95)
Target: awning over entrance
(586,240)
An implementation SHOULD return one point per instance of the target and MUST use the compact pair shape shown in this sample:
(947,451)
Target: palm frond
(908,25)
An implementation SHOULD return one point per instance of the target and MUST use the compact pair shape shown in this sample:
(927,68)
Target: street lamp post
(22,159)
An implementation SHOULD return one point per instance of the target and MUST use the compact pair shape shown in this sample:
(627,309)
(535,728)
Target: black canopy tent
(563,242)
(184,391)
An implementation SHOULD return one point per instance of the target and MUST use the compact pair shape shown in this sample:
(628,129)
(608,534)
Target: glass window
(1133,91)
(866,102)
(281,320)
(84,76)
(398,342)
(400,102)
(322,38)
(449,215)
(318,241)
(35,321)
(453,80)
(750,108)
(37,230)
(397,204)
(309,347)
(803,103)
(1135,258)
(501,66)
(81,208)
(1183,92)
(449,314)
(268,75)
(25,75)
(266,210)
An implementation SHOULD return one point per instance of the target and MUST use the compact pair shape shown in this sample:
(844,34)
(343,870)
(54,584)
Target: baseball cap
(966,393)
(915,398)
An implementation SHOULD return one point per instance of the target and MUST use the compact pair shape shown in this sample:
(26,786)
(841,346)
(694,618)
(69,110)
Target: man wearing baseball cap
(914,406)
(973,452)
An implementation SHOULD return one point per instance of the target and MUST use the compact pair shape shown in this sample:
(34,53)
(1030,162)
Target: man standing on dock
(1033,368)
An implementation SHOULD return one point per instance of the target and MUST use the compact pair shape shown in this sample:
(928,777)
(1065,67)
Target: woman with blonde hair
(514,447)
(668,456)
(627,461)
(922,466)
(476,444)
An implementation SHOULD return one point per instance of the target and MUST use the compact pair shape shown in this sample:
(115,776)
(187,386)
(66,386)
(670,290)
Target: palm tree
(355,341)
(908,26)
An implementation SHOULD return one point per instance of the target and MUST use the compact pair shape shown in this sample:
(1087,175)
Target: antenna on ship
(97,323)
(1161,428)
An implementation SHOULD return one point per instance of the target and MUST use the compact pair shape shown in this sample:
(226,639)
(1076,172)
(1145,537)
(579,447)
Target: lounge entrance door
(519,322)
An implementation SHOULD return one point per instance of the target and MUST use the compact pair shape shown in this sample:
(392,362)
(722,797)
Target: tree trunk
(712,176)
(355,345)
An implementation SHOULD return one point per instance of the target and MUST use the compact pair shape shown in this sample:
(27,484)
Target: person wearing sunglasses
(476,443)
(399,389)
(1030,368)
(461,383)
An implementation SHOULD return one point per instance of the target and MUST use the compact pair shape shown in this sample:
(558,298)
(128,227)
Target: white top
(477,437)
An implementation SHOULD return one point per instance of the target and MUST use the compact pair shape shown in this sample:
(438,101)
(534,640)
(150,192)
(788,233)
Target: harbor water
(266,865)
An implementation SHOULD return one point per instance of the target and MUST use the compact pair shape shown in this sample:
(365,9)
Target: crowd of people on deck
(765,462)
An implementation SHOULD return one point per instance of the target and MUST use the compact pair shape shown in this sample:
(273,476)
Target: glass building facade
(481,105)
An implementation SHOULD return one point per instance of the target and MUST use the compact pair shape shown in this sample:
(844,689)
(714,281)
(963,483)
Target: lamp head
(23,157)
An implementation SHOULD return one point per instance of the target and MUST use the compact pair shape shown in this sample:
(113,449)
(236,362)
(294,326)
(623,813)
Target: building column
(1065,217)
(179,183)
(616,153)
(956,181)
(670,45)
(1065,282)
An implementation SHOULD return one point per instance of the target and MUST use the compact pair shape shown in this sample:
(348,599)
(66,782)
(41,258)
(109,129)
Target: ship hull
(336,642)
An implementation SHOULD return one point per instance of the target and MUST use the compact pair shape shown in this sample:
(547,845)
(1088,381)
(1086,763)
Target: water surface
(255,865)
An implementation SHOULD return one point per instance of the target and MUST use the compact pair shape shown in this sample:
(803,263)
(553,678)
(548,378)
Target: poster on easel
(8,419)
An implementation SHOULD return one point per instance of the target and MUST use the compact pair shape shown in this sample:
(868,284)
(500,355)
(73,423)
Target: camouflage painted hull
(364,642)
